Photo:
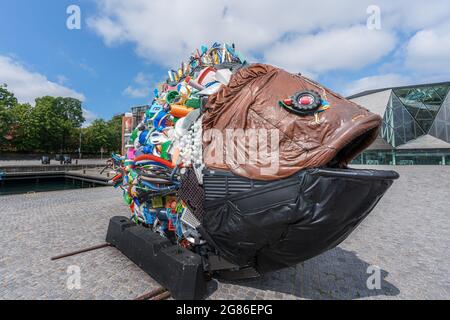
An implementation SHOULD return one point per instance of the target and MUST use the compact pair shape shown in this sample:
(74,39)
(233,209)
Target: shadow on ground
(336,274)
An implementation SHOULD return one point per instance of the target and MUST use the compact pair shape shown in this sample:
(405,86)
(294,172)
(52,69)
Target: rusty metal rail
(157,294)
(162,296)
(66,255)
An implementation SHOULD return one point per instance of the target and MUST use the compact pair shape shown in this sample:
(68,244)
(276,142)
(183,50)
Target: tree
(7,101)
(97,136)
(71,114)
(53,121)
(7,98)
(101,134)
(53,125)
(70,110)
(20,114)
(115,127)
(46,125)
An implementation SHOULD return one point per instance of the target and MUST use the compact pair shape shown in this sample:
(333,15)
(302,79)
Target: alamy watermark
(374,279)
(74,279)
(73,22)
(374,19)
(237,147)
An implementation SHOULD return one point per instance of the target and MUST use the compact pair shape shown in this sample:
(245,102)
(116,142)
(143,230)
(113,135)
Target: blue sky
(34,34)
(125,47)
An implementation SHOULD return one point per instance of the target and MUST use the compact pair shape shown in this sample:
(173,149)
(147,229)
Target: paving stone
(407,237)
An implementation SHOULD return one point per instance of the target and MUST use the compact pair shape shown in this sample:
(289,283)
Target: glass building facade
(416,125)
(404,157)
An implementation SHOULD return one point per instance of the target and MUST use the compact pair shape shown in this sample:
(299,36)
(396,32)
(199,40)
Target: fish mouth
(355,142)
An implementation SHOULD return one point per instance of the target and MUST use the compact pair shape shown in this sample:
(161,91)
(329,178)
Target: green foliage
(52,121)
(96,136)
(20,114)
(7,101)
(53,125)
(115,126)
(70,111)
(104,135)
(7,98)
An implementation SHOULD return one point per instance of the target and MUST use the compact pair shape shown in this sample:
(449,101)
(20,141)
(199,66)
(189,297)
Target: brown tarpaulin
(251,102)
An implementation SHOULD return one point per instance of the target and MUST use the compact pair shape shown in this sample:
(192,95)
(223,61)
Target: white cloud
(428,51)
(112,33)
(411,16)
(136,92)
(142,86)
(377,82)
(350,49)
(167,31)
(311,37)
(62,79)
(85,67)
(142,79)
(89,116)
(28,85)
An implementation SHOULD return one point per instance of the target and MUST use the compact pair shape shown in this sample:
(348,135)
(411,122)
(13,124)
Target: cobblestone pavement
(407,236)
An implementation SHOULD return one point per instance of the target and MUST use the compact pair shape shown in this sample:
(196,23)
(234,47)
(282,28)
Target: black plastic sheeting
(290,221)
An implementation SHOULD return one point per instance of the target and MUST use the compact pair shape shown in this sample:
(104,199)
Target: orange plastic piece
(180,111)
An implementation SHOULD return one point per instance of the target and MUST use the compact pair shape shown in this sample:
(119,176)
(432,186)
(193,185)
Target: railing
(49,168)
(85,173)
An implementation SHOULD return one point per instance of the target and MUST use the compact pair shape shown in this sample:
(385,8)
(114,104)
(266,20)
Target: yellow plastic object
(157,202)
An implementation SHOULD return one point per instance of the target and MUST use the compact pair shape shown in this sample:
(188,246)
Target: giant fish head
(267,124)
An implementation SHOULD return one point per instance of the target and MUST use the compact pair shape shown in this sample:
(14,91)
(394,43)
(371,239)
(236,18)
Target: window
(423,103)
(441,126)
(399,127)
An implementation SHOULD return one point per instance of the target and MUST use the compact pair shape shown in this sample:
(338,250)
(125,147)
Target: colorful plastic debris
(168,142)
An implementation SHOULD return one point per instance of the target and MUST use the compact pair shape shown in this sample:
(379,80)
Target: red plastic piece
(149,157)
(118,177)
(171,226)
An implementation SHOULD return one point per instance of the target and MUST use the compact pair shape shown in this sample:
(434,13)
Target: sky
(124,48)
